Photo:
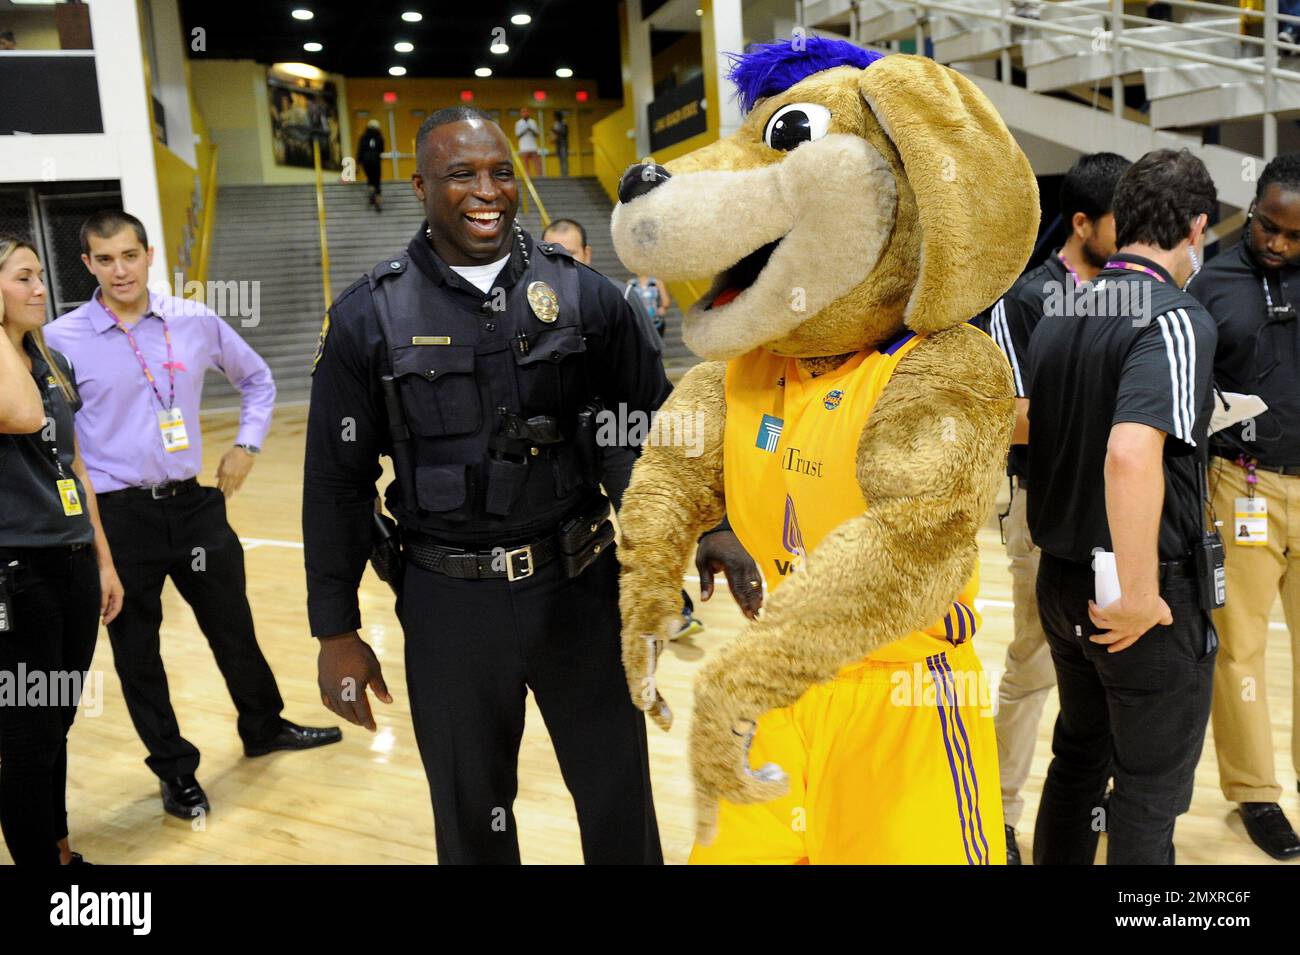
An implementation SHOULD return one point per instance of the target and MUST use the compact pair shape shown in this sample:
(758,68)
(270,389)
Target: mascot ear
(976,196)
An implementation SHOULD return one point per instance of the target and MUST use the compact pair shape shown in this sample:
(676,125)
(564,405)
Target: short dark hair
(109,222)
(558,225)
(1159,196)
(1282,171)
(1089,186)
(441,117)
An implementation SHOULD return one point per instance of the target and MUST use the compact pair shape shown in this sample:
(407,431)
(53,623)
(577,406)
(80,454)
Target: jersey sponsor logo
(832,399)
(792,460)
(791,540)
(769,433)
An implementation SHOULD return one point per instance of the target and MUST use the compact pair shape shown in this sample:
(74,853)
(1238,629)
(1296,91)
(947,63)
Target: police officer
(1253,290)
(1118,417)
(1086,193)
(478,360)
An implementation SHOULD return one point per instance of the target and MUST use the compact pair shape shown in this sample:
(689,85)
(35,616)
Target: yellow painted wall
(232,96)
(34,29)
(178,185)
(500,98)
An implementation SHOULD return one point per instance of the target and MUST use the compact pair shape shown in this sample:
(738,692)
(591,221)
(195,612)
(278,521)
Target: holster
(386,552)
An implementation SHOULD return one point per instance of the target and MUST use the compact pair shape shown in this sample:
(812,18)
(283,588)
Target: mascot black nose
(640,179)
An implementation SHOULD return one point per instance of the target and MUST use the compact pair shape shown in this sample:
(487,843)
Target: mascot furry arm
(864,196)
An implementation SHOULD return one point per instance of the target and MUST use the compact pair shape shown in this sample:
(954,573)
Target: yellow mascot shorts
(889,763)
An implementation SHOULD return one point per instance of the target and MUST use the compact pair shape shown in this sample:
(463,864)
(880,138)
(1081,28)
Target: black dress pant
(1138,714)
(188,539)
(54,600)
(473,650)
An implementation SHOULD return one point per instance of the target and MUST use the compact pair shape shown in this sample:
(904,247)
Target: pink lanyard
(169,364)
(1069,268)
(1134,267)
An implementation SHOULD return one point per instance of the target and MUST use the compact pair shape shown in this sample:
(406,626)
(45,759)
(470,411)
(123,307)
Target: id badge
(68,495)
(1250,522)
(172,423)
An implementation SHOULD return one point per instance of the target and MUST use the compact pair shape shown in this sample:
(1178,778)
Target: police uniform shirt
(1010,323)
(1255,356)
(348,426)
(32,513)
(1089,372)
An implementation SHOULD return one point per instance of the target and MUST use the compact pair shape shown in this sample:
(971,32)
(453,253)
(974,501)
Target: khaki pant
(1242,731)
(1030,674)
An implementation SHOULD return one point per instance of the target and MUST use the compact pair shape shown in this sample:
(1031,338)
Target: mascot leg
(889,763)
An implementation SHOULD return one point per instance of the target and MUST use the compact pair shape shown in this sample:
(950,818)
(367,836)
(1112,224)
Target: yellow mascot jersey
(894,760)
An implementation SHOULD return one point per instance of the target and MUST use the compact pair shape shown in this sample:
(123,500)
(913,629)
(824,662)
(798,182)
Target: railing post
(1117,57)
(1270,80)
(1005,58)
(320,218)
(920,30)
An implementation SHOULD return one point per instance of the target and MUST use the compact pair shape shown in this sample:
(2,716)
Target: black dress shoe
(293,736)
(1269,829)
(76,858)
(1013,850)
(184,798)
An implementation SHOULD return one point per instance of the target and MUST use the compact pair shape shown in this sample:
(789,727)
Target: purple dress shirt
(117,427)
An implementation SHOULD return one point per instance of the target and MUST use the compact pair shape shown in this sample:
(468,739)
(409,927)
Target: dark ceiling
(451,41)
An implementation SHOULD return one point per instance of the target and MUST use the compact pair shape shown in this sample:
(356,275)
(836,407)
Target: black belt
(154,492)
(1287,470)
(1184,568)
(509,563)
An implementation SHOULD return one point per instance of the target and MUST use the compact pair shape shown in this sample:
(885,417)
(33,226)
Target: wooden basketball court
(365,800)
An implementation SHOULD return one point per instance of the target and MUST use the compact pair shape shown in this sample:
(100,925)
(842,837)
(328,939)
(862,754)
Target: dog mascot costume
(856,429)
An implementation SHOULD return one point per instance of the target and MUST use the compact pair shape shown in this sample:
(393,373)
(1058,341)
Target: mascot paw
(721,735)
(640,658)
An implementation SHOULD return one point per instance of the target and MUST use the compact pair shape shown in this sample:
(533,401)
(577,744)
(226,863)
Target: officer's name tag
(68,495)
(430,339)
(172,423)
(1250,522)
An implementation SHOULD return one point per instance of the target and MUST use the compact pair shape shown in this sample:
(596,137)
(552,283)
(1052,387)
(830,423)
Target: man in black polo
(1086,193)
(1253,291)
(1120,406)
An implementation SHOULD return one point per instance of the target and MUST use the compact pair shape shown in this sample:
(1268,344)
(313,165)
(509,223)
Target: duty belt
(510,563)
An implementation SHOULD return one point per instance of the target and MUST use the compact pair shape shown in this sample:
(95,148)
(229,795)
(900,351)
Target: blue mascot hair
(767,68)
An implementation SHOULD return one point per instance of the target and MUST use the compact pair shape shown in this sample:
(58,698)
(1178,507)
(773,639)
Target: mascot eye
(795,124)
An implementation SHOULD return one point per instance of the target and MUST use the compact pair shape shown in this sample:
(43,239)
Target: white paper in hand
(1231,408)
(1105,578)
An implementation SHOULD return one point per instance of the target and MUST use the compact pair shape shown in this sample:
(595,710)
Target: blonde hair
(8,246)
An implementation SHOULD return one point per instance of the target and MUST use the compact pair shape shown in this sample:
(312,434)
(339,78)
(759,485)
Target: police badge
(543,301)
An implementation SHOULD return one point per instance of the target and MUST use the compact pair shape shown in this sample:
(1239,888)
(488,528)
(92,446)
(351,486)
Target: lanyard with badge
(68,495)
(170,420)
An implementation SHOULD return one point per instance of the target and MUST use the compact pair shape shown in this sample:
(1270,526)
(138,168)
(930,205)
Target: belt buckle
(527,553)
(155,488)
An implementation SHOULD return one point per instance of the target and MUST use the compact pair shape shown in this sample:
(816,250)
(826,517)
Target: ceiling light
(397,71)
(403,47)
(564,72)
(412,16)
(521,19)
(312,47)
(499,48)
(302,14)
(304,70)
(699,12)
(483,71)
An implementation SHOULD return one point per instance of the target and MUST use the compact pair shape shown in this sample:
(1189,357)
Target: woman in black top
(56,572)
(369,152)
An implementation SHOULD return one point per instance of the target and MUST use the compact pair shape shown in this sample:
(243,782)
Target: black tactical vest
(462,369)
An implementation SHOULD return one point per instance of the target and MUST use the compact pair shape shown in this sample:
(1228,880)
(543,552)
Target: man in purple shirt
(139,361)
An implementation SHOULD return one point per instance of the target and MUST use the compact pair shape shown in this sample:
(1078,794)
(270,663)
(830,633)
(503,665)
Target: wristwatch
(250,448)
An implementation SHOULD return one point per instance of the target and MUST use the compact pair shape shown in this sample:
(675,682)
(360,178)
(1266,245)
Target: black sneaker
(1269,829)
(1013,850)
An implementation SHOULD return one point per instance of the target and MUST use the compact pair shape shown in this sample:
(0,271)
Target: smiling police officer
(1253,291)
(478,360)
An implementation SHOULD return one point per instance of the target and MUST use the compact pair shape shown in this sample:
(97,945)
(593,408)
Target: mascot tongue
(724,297)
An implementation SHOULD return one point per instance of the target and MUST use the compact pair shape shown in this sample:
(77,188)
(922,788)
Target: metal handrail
(529,189)
(209,216)
(320,219)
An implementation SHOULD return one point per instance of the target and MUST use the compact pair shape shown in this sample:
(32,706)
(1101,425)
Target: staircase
(269,235)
